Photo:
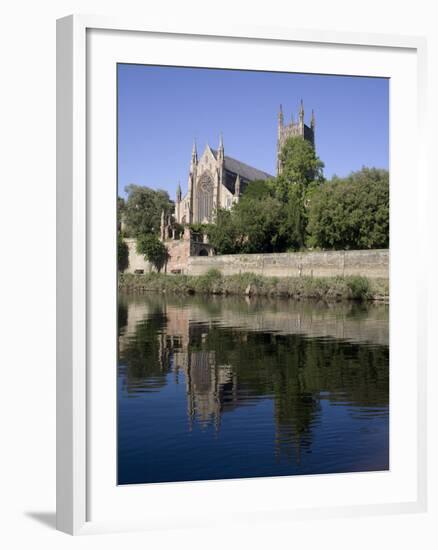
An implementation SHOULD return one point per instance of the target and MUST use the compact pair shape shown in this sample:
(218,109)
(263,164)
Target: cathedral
(217,181)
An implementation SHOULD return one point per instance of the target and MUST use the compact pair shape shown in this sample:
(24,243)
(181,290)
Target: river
(220,387)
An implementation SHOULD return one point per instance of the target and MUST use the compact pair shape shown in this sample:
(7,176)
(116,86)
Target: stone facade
(215,181)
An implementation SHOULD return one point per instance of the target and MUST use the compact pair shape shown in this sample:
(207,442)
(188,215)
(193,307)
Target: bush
(153,249)
(359,287)
(210,282)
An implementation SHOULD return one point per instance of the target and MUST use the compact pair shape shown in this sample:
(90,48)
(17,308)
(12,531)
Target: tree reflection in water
(234,353)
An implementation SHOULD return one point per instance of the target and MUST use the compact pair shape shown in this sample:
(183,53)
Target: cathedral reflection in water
(234,354)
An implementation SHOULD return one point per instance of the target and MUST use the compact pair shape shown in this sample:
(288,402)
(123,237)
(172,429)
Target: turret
(220,180)
(191,182)
(220,151)
(178,192)
(237,187)
(280,116)
(301,115)
(194,155)
(279,137)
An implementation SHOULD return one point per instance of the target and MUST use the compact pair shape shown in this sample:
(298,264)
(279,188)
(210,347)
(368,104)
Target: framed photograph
(240,295)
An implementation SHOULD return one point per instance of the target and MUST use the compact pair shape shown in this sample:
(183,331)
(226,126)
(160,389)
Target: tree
(258,223)
(252,225)
(259,189)
(153,250)
(351,212)
(292,230)
(302,172)
(301,166)
(224,233)
(142,210)
(122,253)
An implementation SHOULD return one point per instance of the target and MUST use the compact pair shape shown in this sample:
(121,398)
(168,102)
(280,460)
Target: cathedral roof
(245,171)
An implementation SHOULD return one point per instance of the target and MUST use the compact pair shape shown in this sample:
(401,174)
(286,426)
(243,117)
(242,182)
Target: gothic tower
(178,202)
(220,173)
(293,129)
(192,181)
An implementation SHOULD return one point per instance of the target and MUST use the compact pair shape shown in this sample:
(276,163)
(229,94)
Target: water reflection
(303,388)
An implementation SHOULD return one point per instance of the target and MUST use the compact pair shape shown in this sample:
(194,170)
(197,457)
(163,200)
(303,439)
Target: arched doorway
(203,252)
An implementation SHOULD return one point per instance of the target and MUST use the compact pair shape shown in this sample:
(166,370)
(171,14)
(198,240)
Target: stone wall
(369,263)
(179,251)
(184,259)
(136,261)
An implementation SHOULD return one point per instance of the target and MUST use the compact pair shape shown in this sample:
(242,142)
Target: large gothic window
(205,197)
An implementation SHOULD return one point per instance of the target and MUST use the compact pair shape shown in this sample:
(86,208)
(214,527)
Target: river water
(216,388)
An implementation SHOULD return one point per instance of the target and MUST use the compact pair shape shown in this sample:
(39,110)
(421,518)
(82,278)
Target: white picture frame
(77,226)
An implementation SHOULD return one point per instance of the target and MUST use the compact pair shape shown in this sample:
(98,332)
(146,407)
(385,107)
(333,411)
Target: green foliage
(224,233)
(258,222)
(292,224)
(271,215)
(259,189)
(198,227)
(209,283)
(360,287)
(329,289)
(142,210)
(251,226)
(302,172)
(352,212)
(301,166)
(120,208)
(153,250)
(122,253)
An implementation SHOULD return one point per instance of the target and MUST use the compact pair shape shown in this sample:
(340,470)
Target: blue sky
(161,110)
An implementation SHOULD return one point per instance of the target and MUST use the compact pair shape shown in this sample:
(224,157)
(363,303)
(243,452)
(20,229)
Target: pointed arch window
(205,197)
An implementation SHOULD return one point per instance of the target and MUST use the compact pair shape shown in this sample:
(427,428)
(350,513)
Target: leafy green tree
(292,229)
(153,249)
(120,208)
(258,223)
(122,253)
(300,164)
(302,172)
(142,210)
(224,234)
(259,189)
(351,212)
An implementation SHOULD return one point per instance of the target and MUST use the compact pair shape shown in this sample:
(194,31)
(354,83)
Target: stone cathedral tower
(217,180)
(298,129)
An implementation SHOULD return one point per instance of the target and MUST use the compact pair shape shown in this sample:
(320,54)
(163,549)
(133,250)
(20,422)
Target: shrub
(359,287)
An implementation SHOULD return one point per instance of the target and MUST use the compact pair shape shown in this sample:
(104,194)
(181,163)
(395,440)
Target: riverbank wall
(373,264)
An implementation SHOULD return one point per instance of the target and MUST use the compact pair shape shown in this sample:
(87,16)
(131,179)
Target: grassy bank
(319,288)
